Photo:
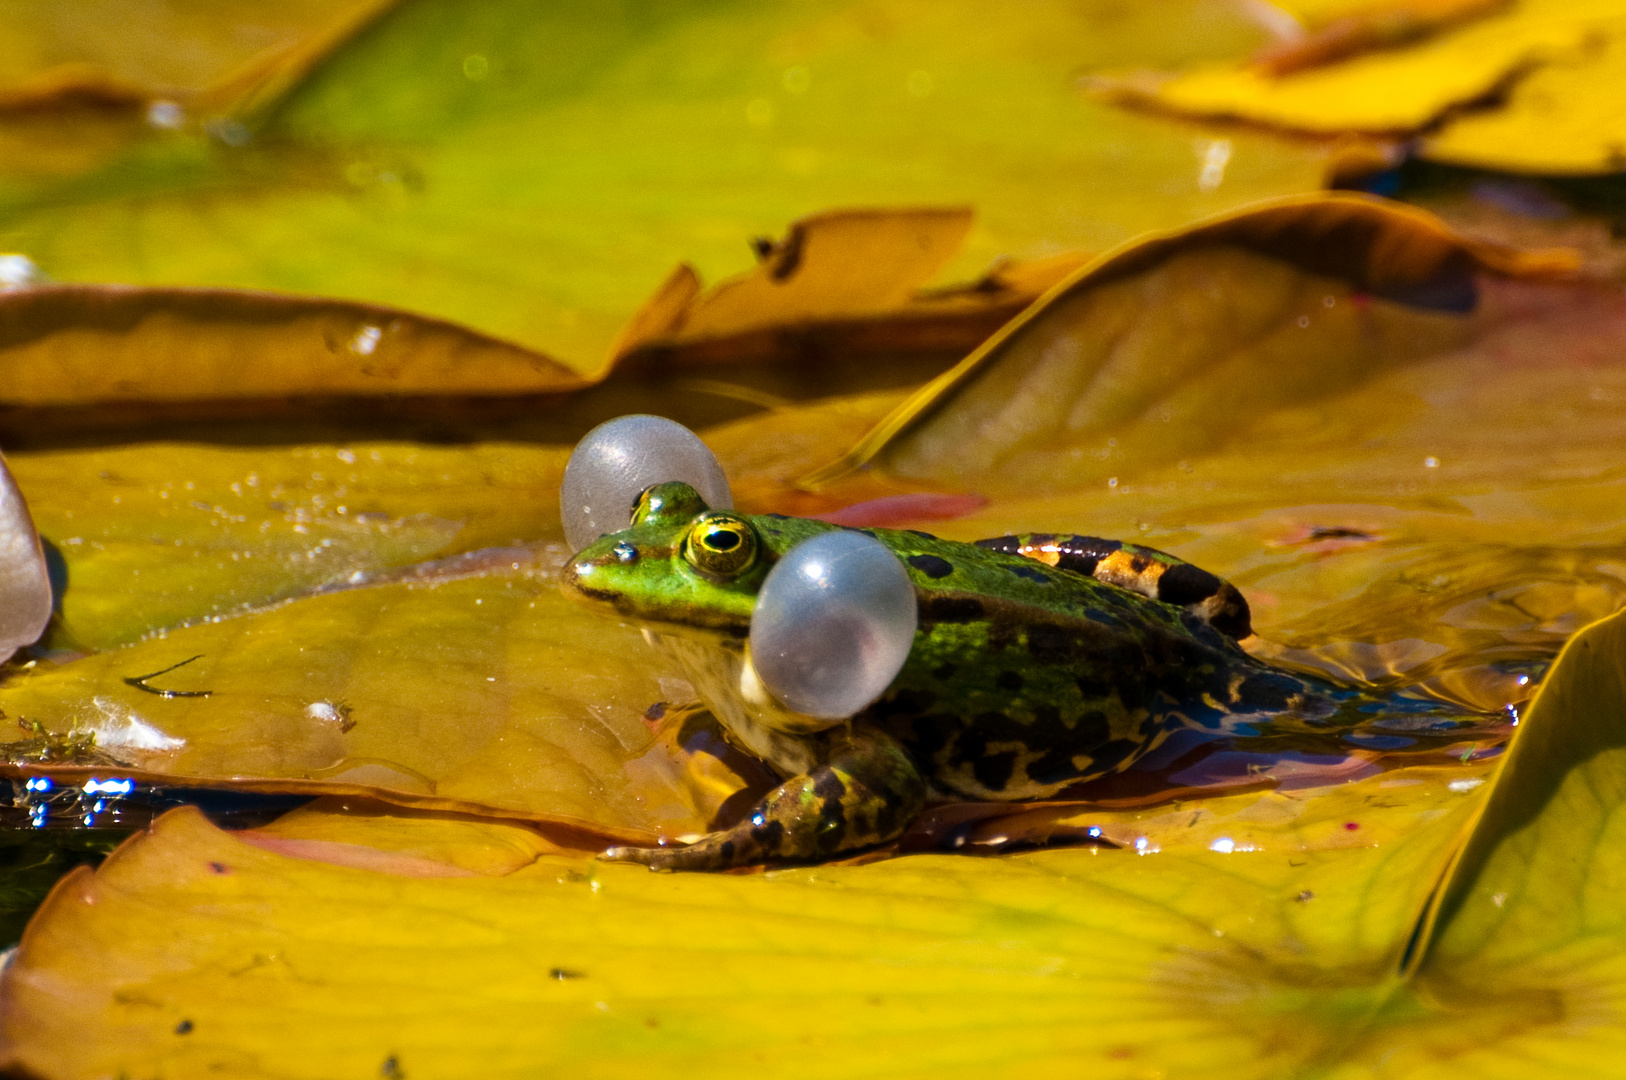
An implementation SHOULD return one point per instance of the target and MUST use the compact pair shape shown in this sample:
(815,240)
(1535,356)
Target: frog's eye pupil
(722,540)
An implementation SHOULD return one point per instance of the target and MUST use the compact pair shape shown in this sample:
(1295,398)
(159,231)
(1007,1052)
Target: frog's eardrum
(617,460)
(25,583)
(833,624)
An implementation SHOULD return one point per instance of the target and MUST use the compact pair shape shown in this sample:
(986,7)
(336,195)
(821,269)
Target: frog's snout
(587,575)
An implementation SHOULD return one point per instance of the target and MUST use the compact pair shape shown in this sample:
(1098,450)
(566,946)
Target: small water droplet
(19,272)
(165,115)
(366,340)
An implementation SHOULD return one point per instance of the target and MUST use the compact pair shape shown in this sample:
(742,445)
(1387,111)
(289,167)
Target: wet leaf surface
(1270,949)
(487,691)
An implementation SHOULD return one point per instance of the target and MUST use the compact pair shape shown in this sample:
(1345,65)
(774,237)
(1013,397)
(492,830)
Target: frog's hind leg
(866,793)
(1148,571)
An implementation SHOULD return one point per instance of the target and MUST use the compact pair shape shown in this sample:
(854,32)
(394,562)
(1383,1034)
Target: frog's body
(1025,676)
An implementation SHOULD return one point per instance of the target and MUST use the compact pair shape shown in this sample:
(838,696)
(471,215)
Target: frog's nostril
(625,553)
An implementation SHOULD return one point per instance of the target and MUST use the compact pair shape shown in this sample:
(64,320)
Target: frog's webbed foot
(866,794)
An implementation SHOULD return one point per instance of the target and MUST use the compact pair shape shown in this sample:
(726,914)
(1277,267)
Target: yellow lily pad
(68,345)
(1550,66)
(485,693)
(192,951)
(155,536)
(950,964)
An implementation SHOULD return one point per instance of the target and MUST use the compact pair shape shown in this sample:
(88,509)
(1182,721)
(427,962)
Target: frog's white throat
(726,680)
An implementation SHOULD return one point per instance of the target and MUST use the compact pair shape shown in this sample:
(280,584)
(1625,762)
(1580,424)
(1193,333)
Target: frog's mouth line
(611,601)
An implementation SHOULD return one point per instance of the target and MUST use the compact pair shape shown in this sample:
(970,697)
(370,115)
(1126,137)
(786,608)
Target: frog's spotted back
(1148,571)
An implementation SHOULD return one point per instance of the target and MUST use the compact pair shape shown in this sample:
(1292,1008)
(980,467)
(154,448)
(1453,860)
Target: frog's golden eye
(720,545)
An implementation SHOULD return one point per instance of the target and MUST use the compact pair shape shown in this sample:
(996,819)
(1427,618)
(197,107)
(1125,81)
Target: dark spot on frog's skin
(1092,689)
(993,771)
(922,535)
(778,517)
(726,850)
(1055,767)
(926,736)
(1186,584)
(655,711)
(933,566)
(903,703)
(769,835)
(1009,680)
(832,827)
(950,609)
(1111,754)
(827,785)
(1031,573)
(184,1028)
(944,672)
(1052,645)
(1267,691)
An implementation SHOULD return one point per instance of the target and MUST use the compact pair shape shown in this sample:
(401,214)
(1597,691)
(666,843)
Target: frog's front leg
(866,793)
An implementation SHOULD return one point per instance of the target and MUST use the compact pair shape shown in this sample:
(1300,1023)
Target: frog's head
(679,567)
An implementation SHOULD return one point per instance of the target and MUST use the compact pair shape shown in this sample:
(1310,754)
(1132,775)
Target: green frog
(1038,662)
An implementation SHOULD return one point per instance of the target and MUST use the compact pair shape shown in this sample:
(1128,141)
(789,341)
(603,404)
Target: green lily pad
(535,170)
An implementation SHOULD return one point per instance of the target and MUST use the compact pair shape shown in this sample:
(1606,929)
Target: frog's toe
(647,856)
(719,851)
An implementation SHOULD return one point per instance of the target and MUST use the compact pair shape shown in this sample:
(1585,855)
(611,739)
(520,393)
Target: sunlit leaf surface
(304,545)
(485,691)
(1518,87)
(938,964)
(1243,954)
(535,170)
